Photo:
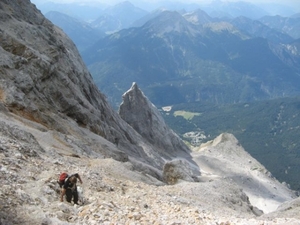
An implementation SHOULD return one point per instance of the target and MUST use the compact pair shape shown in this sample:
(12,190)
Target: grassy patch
(186,115)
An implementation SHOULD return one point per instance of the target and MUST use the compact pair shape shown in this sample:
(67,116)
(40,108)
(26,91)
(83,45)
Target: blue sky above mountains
(295,4)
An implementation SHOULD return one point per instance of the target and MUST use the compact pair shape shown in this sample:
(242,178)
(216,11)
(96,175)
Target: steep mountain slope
(44,79)
(113,192)
(53,119)
(175,60)
(238,167)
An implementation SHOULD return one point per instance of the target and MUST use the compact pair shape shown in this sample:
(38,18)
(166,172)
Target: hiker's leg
(75,197)
(69,195)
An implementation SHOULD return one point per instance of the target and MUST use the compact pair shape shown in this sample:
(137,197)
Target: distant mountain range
(288,25)
(122,15)
(192,57)
(118,17)
(82,34)
(256,28)
(234,9)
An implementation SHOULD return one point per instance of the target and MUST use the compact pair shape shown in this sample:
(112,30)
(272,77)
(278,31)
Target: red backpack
(62,178)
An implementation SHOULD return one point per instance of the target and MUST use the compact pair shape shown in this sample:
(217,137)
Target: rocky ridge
(236,165)
(145,118)
(53,119)
(44,79)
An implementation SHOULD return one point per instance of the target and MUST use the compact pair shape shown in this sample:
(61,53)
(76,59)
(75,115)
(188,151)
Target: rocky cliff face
(145,118)
(42,74)
(44,80)
(53,119)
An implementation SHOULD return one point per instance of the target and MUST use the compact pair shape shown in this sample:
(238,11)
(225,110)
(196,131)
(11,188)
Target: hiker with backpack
(69,187)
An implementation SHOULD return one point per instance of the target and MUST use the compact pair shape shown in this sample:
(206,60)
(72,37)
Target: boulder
(178,169)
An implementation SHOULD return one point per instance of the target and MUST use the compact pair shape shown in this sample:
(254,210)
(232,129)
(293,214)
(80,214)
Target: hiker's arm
(79,179)
(63,192)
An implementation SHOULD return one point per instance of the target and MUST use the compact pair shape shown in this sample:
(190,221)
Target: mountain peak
(125,3)
(118,17)
(145,118)
(168,22)
(198,17)
(121,7)
(134,87)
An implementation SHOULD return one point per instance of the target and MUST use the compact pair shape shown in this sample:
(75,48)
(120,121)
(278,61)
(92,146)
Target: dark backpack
(62,178)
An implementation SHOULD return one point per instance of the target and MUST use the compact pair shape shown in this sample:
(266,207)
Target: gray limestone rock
(177,169)
(54,119)
(145,118)
(225,157)
(43,79)
(286,210)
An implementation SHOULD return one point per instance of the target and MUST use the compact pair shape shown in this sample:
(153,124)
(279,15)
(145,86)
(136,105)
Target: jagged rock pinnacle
(144,117)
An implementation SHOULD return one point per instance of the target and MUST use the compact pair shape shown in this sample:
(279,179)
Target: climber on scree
(69,188)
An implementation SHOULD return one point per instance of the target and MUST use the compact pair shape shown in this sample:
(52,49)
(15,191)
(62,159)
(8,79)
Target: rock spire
(144,117)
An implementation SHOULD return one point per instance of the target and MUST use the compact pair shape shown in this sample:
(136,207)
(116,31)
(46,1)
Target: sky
(277,1)
(295,4)
(287,2)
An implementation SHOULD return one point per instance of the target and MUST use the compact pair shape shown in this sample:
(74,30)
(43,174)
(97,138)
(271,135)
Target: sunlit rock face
(145,118)
(44,79)
(53,119)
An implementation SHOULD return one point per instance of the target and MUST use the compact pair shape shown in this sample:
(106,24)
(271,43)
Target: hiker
(69,189)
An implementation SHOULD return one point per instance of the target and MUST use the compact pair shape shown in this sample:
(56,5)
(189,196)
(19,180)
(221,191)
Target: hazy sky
(293,3)
(196,1)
